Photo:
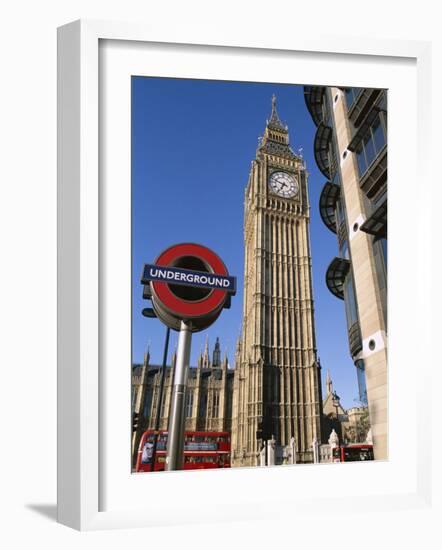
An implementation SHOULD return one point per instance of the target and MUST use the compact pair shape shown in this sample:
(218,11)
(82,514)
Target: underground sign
(188,282)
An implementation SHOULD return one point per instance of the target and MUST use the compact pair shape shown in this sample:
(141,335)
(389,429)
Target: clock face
(284,184)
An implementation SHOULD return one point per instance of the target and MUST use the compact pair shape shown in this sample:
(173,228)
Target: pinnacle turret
(216,357)
(328,383)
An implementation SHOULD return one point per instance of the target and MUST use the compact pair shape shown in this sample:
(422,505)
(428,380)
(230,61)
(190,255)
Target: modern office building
(277,385)
(350,149)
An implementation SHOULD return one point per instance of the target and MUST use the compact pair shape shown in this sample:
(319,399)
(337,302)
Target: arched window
(147,403)
(215,405)
(203,405)
(188,407)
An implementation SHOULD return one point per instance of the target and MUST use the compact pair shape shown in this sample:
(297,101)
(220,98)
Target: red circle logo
(185,308)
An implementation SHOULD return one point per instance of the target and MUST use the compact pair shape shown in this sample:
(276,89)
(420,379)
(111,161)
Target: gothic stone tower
(277,379)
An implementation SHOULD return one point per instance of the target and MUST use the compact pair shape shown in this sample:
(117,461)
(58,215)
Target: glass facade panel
(350,300)
(378,135)
(384,251)
(336,179)
(369,149)
(371,146)
(380,197)
(362,163)
(344,250)
(362,386)
(351,94)
(339,213)
(380,257)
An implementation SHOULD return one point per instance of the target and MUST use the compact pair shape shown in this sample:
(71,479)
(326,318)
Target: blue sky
(192,145)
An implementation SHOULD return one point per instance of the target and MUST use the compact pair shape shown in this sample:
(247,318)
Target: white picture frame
(93,494)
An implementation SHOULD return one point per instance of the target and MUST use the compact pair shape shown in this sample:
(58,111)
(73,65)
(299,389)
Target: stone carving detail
(333,440)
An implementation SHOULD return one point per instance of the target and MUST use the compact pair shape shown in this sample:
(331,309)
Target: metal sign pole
(175,440)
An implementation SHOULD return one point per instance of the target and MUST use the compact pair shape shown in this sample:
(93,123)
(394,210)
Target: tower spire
(274,121)
(275,140)
(147,354)
(328,383)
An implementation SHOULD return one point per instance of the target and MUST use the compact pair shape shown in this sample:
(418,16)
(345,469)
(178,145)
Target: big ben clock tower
(277,392)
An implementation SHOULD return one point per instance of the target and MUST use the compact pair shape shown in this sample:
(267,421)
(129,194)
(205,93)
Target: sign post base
(175,440)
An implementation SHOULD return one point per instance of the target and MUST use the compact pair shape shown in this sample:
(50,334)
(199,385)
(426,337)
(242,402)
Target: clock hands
(284,185)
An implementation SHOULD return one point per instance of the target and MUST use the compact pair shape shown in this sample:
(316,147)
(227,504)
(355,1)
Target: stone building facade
(209,394)
(348,424)
(277,388)
(350,149)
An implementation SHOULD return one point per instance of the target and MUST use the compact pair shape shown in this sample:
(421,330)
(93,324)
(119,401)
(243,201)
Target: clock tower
(277,391)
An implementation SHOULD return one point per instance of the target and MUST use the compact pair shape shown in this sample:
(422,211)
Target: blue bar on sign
(187,277)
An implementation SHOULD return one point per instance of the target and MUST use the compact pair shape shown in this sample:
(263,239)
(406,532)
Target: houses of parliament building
(272,389)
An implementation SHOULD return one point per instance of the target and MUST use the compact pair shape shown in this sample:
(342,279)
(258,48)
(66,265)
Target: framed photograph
(255,179)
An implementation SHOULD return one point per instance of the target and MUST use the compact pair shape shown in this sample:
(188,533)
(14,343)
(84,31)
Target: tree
(357,432)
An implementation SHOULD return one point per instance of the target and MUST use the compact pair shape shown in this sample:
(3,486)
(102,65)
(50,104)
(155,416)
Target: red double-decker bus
(353,452)
(201,450)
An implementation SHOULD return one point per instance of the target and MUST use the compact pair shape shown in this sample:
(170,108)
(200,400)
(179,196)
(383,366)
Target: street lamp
(335,402)
(150,313)
(160,399)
